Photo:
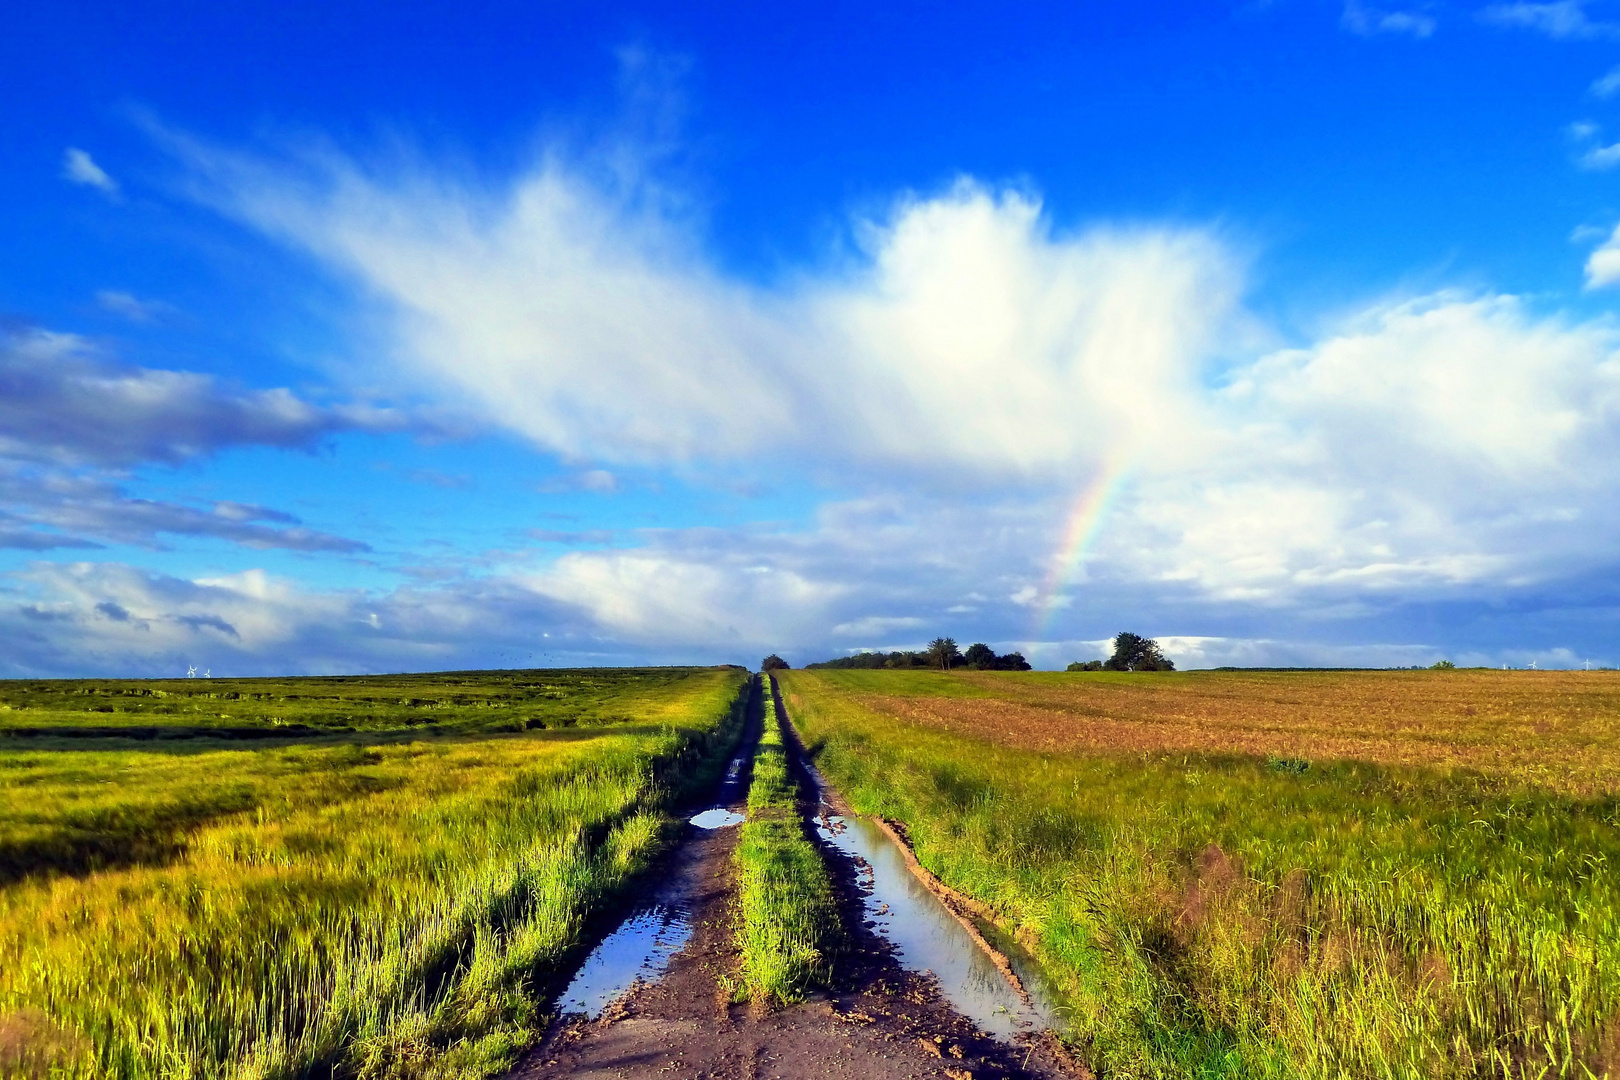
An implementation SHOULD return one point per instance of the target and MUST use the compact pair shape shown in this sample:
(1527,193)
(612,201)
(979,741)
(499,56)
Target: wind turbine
(191,672)
(208,674)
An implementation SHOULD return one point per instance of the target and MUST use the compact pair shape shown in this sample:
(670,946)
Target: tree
(1089,665)
(1013,661)
(1442,665)
(1132,652)
(942,651)
(773,663)
(980,657)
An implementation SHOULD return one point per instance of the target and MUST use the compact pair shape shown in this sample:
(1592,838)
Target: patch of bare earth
(1559,729)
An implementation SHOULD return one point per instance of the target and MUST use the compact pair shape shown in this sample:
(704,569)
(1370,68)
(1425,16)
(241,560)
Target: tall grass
(788,920)
(362,906)
(1258,916)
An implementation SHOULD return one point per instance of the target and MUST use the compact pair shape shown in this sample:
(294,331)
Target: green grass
(1252,914)
(452,701)
(788,921)
(372,903)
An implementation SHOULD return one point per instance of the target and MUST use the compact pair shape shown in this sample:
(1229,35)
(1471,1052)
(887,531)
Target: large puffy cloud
(967,334)
(1446,441)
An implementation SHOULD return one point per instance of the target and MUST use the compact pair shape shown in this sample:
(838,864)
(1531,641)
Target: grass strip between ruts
(789,922)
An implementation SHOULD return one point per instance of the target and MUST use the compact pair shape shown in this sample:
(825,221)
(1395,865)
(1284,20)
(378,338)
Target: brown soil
(878,1021)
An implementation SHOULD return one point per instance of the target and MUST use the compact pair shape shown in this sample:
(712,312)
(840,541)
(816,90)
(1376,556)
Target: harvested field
(1390,874)
(1555,729)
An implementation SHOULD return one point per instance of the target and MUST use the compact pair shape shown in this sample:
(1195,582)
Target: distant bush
(1089,665)
(773,663)
(942,653)
(981,657)
(1442,665)
(870,660)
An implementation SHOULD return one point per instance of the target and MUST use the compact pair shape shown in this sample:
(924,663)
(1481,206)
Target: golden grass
(387,905)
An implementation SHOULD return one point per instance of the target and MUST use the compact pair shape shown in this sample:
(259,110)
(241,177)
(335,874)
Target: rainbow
(1085,525)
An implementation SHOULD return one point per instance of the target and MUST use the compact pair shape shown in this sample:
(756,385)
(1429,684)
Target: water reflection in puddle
(641,948)
(927,937)
(717,818)
(638,950)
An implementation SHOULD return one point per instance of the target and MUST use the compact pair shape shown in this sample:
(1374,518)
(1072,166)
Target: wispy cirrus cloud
(132,307)
(1363,19)
(78,167)
(1607,84)
(1562,20)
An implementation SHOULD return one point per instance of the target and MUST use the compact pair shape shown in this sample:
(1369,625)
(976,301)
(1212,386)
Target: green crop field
(378,876)
(1245,874)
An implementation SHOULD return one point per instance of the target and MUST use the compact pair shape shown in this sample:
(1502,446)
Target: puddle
(927,937)
(717,818)
(639,950)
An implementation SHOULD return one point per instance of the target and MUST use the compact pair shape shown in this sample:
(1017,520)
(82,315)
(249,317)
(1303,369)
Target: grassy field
(788,921)
(391,898)
(451,701)
(1358,874)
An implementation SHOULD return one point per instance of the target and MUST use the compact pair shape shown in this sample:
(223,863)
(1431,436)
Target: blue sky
(485,334)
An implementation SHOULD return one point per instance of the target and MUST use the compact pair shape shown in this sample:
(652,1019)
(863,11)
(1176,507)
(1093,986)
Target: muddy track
(877,1021)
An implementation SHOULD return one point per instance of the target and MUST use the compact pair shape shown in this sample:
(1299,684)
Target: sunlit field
(389,888)
(1384,874)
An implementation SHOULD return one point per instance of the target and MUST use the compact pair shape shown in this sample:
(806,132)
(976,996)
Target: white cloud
(131,306)
(1422,447)
(1603,265)
(1561,20)
(873,626)
(1362,19)
(64,402)
(1602,157)
(79,167)
(969,334)
(1442,442)
(1608,84)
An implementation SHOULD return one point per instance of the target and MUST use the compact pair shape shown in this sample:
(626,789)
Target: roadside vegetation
(788,919)
(1383,874)
(367,894)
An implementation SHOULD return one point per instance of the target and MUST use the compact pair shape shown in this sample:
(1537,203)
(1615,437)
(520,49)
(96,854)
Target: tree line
(942,654)
(1132,652)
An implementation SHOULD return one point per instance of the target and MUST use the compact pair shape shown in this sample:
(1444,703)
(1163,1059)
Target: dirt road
(879,1021)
